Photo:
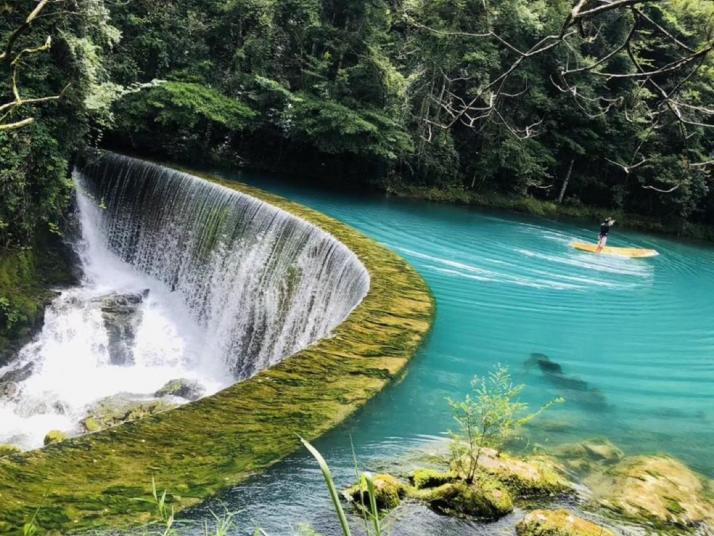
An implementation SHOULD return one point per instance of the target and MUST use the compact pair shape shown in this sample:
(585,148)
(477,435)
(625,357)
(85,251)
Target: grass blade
(330,486)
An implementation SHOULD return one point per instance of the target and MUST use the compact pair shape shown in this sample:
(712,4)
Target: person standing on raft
(604,230)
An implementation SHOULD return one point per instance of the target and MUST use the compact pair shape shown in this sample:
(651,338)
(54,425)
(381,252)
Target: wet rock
(182,388)
(121,314)
(388,492)
(524,477)
(9,381)
(558,523)
(121,408)
(586,456)
(54,436)
(7,450)
(429,478)
(486,498)
(654,490)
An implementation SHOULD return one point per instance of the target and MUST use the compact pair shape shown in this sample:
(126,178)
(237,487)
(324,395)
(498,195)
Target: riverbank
(29,278)
(548,209)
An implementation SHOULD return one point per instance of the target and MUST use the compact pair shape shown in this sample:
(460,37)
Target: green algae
(199,449)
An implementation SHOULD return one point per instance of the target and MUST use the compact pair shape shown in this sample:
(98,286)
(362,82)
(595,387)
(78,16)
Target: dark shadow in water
(571,388)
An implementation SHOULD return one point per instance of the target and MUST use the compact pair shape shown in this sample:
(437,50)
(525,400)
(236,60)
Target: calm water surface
(634,340)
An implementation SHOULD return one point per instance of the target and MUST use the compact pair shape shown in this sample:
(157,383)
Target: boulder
(7,450)
(388,492)
(486,498)
(54,436)
(654,490)
(524,477)
(558,523)
(121,408)
(182,388)
(121,314)
(9,381)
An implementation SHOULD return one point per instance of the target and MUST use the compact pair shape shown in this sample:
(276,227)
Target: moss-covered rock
(389,492)
(429,478)
(7,450)
(121,408)
(182,388)
(558,523)
(524,477)
(486,498)
(654,490)
(54,436)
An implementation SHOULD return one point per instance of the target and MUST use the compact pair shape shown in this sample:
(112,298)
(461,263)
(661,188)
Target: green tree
(487,418)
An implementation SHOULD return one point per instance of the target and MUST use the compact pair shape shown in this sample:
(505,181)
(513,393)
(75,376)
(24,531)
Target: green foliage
(488,418)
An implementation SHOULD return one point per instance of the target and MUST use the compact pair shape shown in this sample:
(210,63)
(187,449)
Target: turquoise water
(634,340)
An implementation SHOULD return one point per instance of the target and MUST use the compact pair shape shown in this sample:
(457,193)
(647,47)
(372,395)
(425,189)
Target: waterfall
(183,278)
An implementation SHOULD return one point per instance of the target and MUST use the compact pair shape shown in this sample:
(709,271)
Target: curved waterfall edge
(199,449)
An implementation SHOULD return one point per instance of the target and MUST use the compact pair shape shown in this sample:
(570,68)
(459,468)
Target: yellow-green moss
(388,492)
(54,436)
(196,450)
(429,478)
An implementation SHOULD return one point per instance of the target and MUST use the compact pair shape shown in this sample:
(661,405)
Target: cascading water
(182,279)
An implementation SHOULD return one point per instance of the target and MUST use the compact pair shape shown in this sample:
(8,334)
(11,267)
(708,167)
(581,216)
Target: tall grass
(365,481)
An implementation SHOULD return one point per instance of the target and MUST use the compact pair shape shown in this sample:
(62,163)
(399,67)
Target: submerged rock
(182,388)
(587,456)
(558,523)
(54,436)
(121,314)
(388,492)
(7,450)
(572,388)
(655,490)
(485,498)
(121,408)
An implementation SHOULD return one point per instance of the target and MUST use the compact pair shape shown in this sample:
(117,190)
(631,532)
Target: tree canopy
(579,101)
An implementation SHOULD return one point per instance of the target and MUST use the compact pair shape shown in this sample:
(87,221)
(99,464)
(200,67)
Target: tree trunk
(566,181)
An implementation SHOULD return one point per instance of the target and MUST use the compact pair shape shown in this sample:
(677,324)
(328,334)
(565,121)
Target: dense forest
(584,103)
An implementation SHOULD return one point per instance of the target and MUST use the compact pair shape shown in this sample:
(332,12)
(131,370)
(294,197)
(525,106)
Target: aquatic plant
(488,418)
(366,482)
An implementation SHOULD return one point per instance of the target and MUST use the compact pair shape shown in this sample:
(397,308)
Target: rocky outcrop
(654,490)
(524,477)
(121,408)
(121,314)
(182,388)
(485,498)
(9,381)
(558,523)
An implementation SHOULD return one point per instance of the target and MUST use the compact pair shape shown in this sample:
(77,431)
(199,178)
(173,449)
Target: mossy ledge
(197,450)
